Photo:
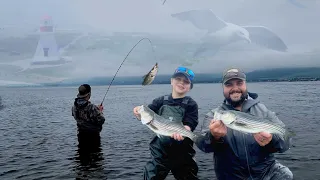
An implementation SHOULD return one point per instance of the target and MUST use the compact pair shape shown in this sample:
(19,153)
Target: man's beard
(244,96)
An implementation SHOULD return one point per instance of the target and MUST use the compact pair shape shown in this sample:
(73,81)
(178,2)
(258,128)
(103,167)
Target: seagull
(221,33)
(296,3)
(164,2)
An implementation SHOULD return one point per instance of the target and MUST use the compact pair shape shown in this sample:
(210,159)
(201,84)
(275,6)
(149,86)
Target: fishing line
(124,61)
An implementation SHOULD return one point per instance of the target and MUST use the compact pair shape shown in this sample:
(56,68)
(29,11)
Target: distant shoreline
(168,82)
(267,75)
(115,84)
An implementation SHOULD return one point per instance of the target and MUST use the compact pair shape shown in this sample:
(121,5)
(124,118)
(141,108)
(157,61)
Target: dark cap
(84,90)
(233,73)
(188,73)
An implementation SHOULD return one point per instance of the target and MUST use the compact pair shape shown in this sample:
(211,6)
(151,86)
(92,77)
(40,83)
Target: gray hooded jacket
(238,155)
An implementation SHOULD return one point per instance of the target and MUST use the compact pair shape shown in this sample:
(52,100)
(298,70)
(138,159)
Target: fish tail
(288,134)
(195,136)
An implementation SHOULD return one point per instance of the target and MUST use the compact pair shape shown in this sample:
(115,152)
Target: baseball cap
(233,73)
(84,90)
(188,73)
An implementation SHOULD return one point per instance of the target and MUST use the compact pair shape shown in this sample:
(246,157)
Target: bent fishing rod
(122,64)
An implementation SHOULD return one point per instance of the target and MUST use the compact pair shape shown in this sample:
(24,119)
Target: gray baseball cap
(233,73)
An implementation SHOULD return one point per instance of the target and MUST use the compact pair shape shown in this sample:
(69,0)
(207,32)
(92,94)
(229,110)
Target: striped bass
(248,123)
(150,76)
(163,126)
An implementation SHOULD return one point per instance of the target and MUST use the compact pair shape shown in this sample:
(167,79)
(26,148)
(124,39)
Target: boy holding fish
(174,153)
(243,146)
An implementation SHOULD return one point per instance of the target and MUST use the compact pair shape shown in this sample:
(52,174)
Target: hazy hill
(279,74)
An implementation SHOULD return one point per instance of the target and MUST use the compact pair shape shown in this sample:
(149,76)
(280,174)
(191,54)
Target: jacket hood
(80,102)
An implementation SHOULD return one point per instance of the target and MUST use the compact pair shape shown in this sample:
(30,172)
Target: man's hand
(136,113)
(100,106)
(217,129)
(177,136)
(263,138)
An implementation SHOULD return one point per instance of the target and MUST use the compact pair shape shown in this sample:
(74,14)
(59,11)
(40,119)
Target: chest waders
(172,113)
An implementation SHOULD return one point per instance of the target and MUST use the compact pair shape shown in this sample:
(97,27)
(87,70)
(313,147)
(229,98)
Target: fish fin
(153,127)
(289,134)
(144,76)
(240,123)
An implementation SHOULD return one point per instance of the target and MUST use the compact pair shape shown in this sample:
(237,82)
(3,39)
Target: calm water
(39,140)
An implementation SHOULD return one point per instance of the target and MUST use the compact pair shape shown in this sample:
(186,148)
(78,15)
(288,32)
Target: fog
(295,22)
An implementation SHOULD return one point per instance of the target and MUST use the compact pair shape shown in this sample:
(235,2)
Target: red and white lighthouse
(47,50)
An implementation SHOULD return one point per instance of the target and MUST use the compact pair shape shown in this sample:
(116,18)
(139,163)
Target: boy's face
(180,84)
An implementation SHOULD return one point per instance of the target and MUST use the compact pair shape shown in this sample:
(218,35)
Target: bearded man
(238,155)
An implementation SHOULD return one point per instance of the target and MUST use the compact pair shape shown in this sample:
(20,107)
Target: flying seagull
(221,33)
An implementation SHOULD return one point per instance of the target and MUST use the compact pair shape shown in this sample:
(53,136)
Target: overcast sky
(292,23)
(297,26)
(152,16)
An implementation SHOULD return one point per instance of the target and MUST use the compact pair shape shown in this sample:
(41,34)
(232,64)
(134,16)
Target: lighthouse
(47,52)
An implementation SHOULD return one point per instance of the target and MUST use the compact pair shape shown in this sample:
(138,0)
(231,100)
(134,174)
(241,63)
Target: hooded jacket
(88,116)
(237,155)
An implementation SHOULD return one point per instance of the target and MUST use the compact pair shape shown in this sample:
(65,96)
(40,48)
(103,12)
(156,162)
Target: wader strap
(165,99)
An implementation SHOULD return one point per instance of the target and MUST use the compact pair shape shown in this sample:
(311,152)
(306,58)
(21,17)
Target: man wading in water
(89,117)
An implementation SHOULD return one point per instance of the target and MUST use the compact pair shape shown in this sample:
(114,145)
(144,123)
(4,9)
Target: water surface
(38,135)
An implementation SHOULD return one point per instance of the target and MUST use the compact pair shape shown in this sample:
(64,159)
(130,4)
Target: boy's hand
(136,113)
(177,136)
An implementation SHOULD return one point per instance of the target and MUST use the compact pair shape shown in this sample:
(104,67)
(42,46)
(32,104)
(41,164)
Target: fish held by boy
(162,126)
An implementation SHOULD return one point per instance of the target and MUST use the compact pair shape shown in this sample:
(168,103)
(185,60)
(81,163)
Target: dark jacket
(88,116)
(238,155)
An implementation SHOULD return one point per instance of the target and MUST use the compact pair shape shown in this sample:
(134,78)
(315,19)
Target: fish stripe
(262,126)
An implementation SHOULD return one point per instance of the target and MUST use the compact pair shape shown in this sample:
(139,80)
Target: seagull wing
(296,3)
(265,37)
(202,19)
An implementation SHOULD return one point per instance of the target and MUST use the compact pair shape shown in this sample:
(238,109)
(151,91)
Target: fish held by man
(162,126)
(148,78)
(248,123)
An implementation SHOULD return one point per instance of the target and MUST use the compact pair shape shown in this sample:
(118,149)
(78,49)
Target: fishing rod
(124,61)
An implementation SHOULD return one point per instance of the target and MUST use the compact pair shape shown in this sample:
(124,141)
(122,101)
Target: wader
(169,154)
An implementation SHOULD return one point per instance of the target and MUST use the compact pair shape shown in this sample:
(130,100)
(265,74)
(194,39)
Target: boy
(174,153)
